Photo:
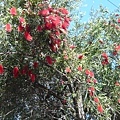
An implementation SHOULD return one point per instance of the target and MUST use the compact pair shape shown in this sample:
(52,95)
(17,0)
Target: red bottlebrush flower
(8,27)
(67,70)
(66,57)
(44,12)
(49,60)
(35,64)
(52,9)
(20,28)
(52,22)
(119,20)
(13,11)
(27,36)
(63,11)
(104,55)
(57,33)
(21,20)
(80,57)
(114,53)
(105,62)
(95,81)
(100,108)
(119,101)
(117,84)
(56,21)
(48,26)
(53,47)
(67,19)
(39,28)
(1,69)
(57,42)
(89,73)
(79,68)
(117,48)
(65,25)
(89,81)
(32,77)
(91,91)
(96,100)
(72,46)
(15,72)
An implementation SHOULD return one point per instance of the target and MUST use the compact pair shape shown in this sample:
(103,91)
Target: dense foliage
(50,73)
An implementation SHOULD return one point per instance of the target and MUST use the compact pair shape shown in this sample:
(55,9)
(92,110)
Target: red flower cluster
(31,75)
(26,28)
(80,57)
(117,83)
(52,19)
(21,24)
(68,70)
(105,59)
(89,73)
(1,69)
(15,72)
(100,108)
(72,46)
(91,91)
(118,20)
(35,64)
(27,36)
(96,100)
(79,68)
(21,27)
(8,27)
(13,11)
(25,71)
(50,60)
(56,21)
(119,101)
(117,48)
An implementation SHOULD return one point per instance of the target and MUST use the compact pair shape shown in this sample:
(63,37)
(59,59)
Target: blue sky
(88,4)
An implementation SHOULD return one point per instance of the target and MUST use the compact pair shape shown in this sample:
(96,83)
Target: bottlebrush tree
(46,73)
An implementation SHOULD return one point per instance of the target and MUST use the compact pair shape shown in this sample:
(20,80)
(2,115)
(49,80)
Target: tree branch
(37,84)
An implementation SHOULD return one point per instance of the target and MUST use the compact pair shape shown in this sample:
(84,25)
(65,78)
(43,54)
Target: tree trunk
(78,104)
(80,108)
